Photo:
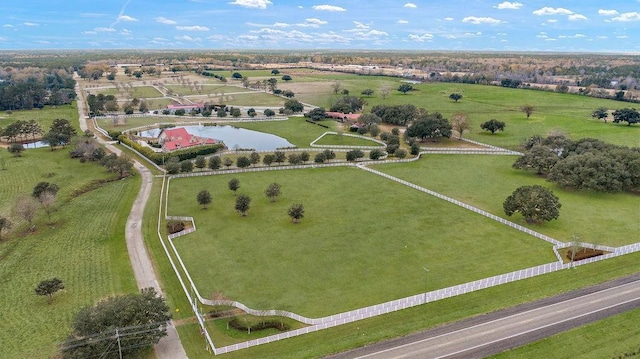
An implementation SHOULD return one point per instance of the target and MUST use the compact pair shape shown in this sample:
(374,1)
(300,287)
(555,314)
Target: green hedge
(183,154)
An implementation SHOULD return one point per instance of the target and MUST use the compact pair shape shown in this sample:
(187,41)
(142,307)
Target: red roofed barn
(177,138)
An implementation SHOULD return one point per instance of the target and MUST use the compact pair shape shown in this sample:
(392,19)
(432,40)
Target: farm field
(339,140)
(90,259)
(313,268)
(44,117)
(486,181)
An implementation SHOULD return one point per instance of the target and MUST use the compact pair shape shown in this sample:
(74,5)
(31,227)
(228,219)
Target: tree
(493,126)
(286,78)
(215,162)
(254,157)
(5,224)
(430,125)
(269,113)
(243,203)
(367,92)
(186,166)
(294,159)
(317,114)
(120,165)
(404,88)
(602,113)
(320,158)
(200,162)
(47,201)
(221,113)
(132,323)
(415,149)
(204,198)
(384,92)
(268,159)
(539,158)
(329,154)
(628,115)
(273,191)
(49,287)
(273,84)
(304,156)
(288,93)
(296,212)
(275,72)
(16,149)
(236,112)
(535,203)
(455,96)
(527,109)
(252,112)
(294,106)
(400,153)
(460,123)
(369,119)
(228,162)
(375,154)
(236,76)
(280,156)
(353,155)
(42,187)
(234,185)
(62,130)
(347,104)
(243,162)
(336,86)
(25,207)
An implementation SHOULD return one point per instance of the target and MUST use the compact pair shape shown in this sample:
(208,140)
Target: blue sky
(521,25)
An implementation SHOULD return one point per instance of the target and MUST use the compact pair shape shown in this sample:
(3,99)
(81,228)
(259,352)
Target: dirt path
(170,346)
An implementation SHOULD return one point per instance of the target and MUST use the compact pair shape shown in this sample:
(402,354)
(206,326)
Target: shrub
(175,226)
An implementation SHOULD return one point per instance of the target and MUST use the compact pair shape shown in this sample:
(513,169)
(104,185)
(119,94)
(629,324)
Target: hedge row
(183,154)
(266,324)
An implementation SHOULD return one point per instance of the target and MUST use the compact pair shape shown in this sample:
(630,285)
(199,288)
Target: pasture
(83,246)
(364,240)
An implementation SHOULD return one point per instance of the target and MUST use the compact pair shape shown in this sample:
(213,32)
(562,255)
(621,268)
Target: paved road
(170,346)
(495,332)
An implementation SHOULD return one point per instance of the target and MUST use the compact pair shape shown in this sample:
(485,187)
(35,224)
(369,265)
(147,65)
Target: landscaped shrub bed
(175,226)
(584,253)
(235,323)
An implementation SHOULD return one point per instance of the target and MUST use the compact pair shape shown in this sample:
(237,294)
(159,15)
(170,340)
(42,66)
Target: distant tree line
(29,88)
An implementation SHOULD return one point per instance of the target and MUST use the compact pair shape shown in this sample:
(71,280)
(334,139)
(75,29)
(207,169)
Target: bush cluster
(262,325)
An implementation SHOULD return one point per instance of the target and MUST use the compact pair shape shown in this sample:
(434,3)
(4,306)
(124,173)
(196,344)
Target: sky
(611,26)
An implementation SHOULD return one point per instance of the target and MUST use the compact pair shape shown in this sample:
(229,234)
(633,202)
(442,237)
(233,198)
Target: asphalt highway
(495,332)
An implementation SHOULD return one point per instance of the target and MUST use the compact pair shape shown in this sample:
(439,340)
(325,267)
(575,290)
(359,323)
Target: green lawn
(593,341)
(346,253)
(84,246)
(296,130)
(254,99)
(339,140)
(486,181)
(44,117)
(142,92)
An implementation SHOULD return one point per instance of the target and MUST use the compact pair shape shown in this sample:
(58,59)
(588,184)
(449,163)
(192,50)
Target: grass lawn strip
(320,265)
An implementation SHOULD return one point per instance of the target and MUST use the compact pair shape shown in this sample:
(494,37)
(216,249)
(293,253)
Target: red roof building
(343,116)
(177,138)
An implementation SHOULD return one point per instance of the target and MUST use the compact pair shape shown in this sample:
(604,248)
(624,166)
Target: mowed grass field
(44,117)
(364,241)
(339,140)
(83,246)
(486,181)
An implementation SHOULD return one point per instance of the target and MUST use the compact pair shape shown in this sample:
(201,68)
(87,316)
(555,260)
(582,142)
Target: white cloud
(481,20)
(448,19)
(421,38)
(403,21)
(602,37)
(622,37)
(126,18)
(30,24)
(410,5)
(104,29)
(508,5)
(628,16)
(502,34)
(125,32)
(160,39)
(552,11)
(255,4)
(463,35)
(376,33)
(607,12)
(281,24)
(188,38)
(89,33)
(315,21)
(542,35)
(164,20)
(576,36)
(360,25)
(576,17)
(192,28)
(7,25)
(552,21)
(328,8)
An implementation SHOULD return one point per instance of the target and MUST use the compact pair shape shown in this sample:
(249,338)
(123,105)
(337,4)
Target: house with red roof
(177,138)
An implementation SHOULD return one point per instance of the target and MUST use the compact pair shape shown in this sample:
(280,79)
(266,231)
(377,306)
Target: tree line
(29,88)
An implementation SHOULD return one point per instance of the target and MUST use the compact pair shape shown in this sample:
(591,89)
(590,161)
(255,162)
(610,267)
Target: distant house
(187,108)
(343,116)
(177,138)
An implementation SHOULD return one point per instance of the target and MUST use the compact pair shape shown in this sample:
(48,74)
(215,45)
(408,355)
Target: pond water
(232,137)
(36,144)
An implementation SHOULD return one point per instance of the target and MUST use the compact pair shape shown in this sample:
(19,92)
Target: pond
(232,137)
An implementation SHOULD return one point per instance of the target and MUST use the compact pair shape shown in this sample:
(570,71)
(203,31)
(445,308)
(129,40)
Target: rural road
(170,346)
(499,331)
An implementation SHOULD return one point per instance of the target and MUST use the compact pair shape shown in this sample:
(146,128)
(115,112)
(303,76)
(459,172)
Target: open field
(486,181)
(44,117)
(593,341)
(141,92)
(91,258)
(338,140)
(254,99)
(314,268)
(296,130)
